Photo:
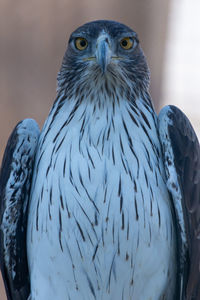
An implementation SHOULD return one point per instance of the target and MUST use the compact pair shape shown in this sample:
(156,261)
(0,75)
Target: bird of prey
(104,203)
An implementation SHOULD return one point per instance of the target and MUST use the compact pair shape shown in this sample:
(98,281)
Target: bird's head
(104,53)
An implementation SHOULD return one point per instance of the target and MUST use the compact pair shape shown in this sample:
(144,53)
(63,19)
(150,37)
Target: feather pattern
(15,180)
(182,163)
(106,192)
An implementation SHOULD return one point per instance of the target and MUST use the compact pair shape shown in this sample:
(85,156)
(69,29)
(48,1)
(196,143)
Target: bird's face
(104,50)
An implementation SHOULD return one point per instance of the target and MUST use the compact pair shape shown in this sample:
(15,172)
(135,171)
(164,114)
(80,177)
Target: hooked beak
(103,52)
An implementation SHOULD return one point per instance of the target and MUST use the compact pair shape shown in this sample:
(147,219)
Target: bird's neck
(102,119)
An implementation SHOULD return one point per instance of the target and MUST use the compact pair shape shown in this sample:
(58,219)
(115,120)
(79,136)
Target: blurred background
(34,35)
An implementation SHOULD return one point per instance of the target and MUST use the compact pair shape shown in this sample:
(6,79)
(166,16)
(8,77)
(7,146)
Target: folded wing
(181,152)
(15,182)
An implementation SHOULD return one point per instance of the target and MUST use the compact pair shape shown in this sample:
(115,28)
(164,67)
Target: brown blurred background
(33,38)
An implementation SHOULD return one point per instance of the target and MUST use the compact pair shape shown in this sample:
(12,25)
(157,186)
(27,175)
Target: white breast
(100,223)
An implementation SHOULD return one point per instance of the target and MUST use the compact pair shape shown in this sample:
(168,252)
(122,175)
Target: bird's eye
(126,43)
(81,43)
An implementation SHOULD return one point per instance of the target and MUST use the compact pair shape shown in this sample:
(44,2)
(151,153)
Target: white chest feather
(100,224)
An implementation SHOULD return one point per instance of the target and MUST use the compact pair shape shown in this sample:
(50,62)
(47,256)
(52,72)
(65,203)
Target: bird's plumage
(15,182)
(101,222)
(182,163)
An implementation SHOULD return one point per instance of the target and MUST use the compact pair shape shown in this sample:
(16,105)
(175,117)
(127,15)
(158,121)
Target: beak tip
(103,68)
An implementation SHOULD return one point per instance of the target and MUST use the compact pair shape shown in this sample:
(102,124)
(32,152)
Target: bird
(104,202)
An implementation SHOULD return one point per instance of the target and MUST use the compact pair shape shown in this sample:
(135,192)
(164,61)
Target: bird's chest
(93,183)
(101,208)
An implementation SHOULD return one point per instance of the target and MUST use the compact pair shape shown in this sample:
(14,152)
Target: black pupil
(83,43)
(124,43)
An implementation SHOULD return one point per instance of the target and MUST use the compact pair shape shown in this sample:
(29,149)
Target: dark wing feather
(15,181)
(181,152)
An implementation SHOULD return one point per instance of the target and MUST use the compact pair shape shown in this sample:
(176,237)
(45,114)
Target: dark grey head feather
(77,71)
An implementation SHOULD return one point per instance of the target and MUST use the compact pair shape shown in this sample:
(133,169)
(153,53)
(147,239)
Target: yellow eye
(126,43)
(81,43)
